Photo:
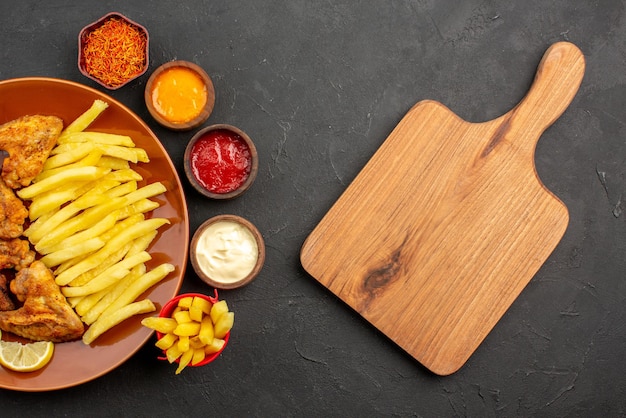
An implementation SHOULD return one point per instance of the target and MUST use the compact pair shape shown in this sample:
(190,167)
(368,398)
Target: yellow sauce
(227,251)
(179,94)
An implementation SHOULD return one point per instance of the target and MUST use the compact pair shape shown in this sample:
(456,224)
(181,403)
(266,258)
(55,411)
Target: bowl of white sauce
(227,251)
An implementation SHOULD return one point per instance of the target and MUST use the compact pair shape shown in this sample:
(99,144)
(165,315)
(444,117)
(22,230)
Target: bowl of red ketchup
(221,161)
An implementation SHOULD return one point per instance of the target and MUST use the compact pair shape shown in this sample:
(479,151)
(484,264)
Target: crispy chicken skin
(15,253)
(45,314)
(6,303)
(28,140)
(13,213)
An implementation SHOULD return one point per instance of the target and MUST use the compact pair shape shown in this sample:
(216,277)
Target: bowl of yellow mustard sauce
(180,95)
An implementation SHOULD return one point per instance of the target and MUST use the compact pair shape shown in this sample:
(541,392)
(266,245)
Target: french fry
(103,299)
(95,195)
(79,223)
(71,292)
(90,159)
(113,163)
(132,292)
(74,301)
(97,137)
(182,316)
(67,149)
(62,155)
(113,244)
(69,263)
(97,229)
(187,329)
(185,359)
(40,221)
(185,302)
(84,304)
(173,353)
(52,182)
(52,200)
(108,277)
(195,313)
(198,355)
(183,343)
(141,155)
(215,346)
(218,310)
(97,187)
(206,333)
(39,230)
(166,341)
(85,119)
(92,215)
(145,192)
(141,206)
(125,174)
(194,342)
(94,304)
(74,191)
(122,189)
(203,304)
(142,243)
(58,257)
(224,324)
(123,224)
(123,153)
(109,261)
(107,322)
(162,325)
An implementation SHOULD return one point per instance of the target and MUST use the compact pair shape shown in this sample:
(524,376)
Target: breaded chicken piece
(13,213)
(15,253)
(45,314)
(28,140)
(6,303)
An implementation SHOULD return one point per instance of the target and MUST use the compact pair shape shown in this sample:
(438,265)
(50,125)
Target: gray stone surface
(319,86)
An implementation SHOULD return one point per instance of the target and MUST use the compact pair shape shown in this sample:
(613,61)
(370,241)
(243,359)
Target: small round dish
(168,309)
(180,95)
(227,251)
(113,50)
(221,161)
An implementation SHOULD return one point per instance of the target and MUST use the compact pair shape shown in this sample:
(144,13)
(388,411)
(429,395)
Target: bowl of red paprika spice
(221,161)
(113,50)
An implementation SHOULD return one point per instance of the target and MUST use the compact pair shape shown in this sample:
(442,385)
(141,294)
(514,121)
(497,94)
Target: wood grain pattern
(448,221)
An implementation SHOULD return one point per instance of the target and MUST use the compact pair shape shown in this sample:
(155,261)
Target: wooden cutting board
(448,221)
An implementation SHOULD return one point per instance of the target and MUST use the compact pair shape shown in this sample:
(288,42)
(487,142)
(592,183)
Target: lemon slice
(25,357)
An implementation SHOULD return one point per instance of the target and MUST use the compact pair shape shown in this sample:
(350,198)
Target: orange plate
(75,363)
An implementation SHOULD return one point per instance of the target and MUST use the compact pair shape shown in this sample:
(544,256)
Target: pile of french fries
(195,330)
(89,224)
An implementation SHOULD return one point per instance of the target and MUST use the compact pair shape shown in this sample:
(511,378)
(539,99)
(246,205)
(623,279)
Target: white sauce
(227,251)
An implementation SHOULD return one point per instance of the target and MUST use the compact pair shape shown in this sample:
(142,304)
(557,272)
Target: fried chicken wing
(15,253)
(13,213)
(6,303)
(28,140)
(45,314)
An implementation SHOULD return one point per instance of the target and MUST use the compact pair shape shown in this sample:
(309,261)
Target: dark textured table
(319,86)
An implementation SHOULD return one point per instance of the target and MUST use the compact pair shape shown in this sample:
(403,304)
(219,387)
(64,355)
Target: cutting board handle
(557,80)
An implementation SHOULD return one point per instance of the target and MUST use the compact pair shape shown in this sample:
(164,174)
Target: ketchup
(220,161)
